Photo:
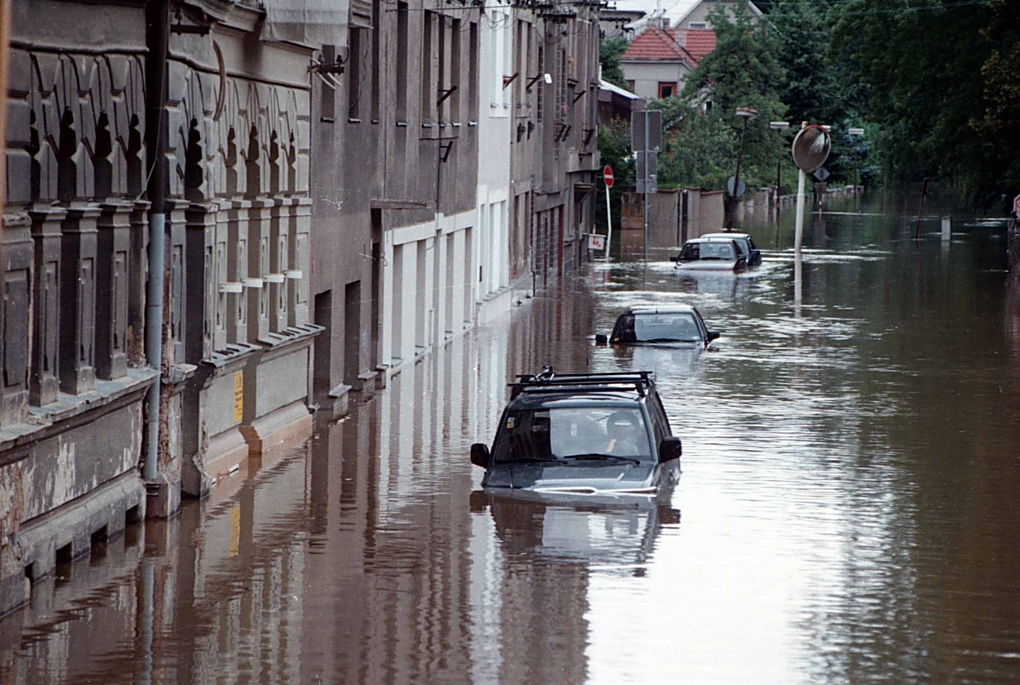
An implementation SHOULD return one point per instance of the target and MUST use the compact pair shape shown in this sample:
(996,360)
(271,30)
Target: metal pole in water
(609,222)
(799,234)
(644,280)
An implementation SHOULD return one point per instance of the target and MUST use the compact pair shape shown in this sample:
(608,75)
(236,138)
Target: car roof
(726,236)
(659,309)
(576,398)
(709,239)
(584,389)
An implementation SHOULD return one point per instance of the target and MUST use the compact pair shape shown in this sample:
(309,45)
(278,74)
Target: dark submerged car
(582,434)
(666,325)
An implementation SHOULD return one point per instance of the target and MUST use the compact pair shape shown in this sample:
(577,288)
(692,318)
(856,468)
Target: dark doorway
(352,333)
(323,348)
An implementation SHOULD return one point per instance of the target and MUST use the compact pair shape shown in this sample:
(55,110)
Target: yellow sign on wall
(238,396)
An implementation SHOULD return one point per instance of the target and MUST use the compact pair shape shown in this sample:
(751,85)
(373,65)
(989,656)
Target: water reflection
(849,499)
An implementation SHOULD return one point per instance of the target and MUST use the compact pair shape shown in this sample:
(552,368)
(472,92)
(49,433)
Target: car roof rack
(548,381)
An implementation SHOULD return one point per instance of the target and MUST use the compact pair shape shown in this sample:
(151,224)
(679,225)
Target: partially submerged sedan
(582,434)
(671,325)
(709,254)
(745,243)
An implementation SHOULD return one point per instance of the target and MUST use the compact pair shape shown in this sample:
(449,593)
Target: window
(667,89)
(630,85)
(427,85)
(455,83)
(401,62)
(328,92)
(376,63)
(354,69)
(539,106)
(473,72)
(697,26)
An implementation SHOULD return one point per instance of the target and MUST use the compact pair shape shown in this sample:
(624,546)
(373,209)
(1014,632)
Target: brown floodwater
(849,508)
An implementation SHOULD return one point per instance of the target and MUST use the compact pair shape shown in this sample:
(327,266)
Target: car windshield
(569,433)
(717,250)
(676,327)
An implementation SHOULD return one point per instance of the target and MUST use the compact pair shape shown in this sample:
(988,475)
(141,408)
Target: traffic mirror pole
(609,224)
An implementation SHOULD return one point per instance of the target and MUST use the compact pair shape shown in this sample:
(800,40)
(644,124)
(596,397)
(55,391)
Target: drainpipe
(5,35)
(156,40)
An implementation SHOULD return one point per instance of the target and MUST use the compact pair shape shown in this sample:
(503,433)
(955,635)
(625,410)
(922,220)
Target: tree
(742,71)
(610,52)
(932,75)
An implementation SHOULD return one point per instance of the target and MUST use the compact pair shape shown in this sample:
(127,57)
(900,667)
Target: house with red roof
(660,57)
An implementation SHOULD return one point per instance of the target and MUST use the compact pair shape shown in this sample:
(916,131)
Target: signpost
(646,139)
(596,241)
(607,178)
(810,149)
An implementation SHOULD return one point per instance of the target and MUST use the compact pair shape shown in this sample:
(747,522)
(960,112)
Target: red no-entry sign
(607,176)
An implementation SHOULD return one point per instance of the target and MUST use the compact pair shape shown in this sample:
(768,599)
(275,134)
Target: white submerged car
(710,254)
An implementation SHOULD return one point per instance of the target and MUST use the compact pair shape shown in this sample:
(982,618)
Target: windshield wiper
(663,340)
(599,455)
(514,460)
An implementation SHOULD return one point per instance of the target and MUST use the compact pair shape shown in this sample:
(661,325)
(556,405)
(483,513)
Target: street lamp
(856,134)
(779,126)
(745,113)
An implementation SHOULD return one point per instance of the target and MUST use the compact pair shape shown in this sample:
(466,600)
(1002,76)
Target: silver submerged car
(709,254)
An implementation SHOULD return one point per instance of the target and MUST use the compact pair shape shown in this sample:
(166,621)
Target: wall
(647,76)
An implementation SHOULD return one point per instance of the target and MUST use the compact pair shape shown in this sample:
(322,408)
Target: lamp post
(745,113)
(779,126)
(856,134)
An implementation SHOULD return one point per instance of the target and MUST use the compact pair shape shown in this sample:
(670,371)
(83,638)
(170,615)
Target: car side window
(690,252)
(659,419)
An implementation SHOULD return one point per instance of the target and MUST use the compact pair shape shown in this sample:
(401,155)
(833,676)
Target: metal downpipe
(157,40)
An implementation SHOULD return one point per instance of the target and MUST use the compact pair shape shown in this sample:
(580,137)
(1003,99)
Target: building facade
(222,214)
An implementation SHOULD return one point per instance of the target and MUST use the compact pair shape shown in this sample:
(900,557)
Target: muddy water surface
(849,509)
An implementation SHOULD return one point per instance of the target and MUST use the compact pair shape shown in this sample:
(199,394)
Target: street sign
(1016,205)
(646,166)
(740,188)
(596,241)
(607,176)
(821,173)
(639,119)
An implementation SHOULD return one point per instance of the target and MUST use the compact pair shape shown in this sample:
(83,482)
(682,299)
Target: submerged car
(659,325)
(709,254)
(750,251)
(582,434)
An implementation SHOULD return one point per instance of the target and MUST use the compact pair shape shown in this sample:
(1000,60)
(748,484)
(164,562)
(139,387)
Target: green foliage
(610,51)
(939,77)
(698,151)
(614,148)
(742,71)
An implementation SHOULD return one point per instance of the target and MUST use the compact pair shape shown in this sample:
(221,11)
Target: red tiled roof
(665,44)
(655,44)
(699,42)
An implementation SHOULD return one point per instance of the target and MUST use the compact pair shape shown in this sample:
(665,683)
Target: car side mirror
(675,259)
(670,448)
(480,455)
(601,339)
(713,335)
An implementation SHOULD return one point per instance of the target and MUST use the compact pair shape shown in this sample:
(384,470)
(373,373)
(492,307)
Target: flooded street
(849,509)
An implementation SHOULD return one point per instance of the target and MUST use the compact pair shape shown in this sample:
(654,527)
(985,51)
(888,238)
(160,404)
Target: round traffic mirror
(811,147)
